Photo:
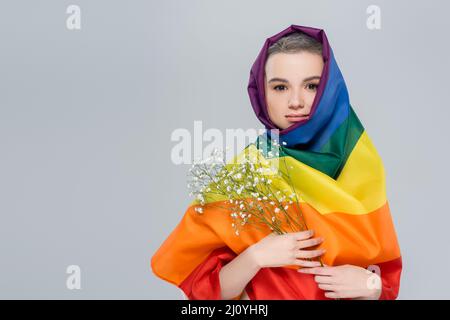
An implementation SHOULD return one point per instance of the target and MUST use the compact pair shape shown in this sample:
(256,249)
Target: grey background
(86,117)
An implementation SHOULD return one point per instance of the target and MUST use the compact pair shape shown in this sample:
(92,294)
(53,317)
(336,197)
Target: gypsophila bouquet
(255,191)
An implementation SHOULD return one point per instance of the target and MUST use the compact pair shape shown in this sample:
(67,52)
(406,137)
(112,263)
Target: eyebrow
(285,81)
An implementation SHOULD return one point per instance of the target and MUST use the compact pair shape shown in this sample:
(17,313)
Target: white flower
(199,209)
(273,218)
(237,232)
(277,210)
(286,207)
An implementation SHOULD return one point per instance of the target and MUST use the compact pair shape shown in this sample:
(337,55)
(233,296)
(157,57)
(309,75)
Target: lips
(293,117)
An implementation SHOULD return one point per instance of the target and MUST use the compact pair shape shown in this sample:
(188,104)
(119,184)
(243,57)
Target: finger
(302,235)
(332,295)
(328,287)
(319,270)
(309,253)
(309,243)
(306,263)
(341,295)
(325,279)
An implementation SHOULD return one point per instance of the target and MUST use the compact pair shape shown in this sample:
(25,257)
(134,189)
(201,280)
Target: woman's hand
(347,281)
(287,249)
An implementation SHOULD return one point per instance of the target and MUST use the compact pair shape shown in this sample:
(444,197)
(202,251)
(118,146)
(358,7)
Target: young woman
(296,87)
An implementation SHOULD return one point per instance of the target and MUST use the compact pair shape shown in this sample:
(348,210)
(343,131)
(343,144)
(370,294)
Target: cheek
(275,103)
(310,98)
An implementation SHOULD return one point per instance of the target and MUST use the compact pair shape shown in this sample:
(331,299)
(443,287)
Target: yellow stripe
(360,188)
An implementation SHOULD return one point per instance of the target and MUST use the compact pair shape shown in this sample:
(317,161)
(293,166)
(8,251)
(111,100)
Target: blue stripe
(332,110)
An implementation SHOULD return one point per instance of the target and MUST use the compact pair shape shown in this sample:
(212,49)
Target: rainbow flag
(340,179)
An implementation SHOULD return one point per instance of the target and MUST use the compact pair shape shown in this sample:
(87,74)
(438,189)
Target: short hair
(295,42)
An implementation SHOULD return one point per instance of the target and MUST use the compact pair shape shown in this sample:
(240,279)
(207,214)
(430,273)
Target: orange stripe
(355,239)
(349,239)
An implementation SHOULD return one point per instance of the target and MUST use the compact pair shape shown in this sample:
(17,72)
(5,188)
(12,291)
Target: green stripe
(332,156)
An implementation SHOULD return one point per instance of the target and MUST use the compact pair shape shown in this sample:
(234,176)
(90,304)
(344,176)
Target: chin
(290,124)
(282,126)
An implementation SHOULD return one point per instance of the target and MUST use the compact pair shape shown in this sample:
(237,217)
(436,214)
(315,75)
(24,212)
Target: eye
(280,87)
(312,86)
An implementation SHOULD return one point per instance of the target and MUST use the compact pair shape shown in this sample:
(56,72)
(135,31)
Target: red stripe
(275,283)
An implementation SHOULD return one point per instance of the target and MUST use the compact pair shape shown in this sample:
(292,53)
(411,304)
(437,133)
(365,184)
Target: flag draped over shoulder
(339,177)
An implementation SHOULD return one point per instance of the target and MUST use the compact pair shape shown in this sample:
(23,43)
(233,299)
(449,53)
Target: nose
(296,100)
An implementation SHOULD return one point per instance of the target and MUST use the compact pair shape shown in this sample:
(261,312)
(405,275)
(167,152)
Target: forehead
(288,64)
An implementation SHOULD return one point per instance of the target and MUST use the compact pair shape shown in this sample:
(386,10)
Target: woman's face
(291,82)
